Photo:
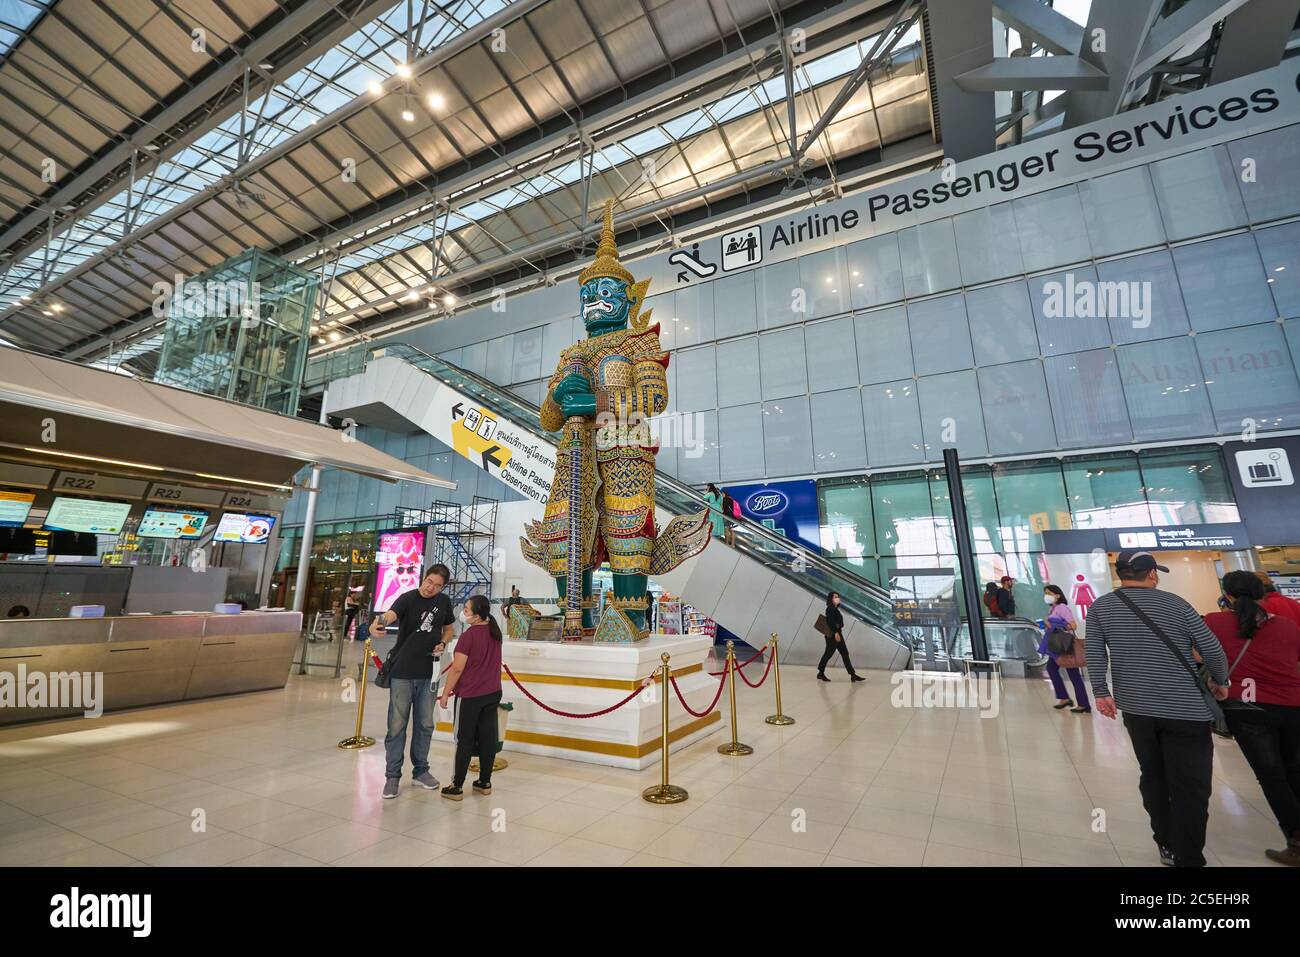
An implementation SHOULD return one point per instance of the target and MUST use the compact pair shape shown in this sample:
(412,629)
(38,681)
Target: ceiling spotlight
(449,300)
(57,307)
(408,116)
(411,296)
(266,65)
(334,336)
(436,101)
(403,71)
(376,89)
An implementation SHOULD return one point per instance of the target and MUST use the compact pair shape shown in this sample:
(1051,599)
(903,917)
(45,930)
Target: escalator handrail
(528,414)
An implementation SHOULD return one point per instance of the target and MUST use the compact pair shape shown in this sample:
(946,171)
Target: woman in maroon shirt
(1265,652)
(475,675)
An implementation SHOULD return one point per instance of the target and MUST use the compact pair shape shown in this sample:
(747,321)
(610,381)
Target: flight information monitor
(14,507)
(166,523)
(249,529)
(87,515)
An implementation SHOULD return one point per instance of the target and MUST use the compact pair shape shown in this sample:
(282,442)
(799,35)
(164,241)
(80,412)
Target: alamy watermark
(683,430)
(946,690)
(57,690)
(1092,299)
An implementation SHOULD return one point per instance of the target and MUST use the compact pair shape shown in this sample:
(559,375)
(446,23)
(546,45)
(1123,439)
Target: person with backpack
(991,600)
(1263,704)
(730,511)
(1059,646)
(1007,597)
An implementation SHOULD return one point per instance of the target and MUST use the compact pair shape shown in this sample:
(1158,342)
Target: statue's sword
(578,452)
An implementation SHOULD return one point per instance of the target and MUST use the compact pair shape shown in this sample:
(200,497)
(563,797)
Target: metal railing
(809,570)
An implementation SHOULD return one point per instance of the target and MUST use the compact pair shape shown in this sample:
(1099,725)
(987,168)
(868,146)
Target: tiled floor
(855,782)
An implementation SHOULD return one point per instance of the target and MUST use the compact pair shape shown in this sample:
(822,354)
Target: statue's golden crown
(606,262)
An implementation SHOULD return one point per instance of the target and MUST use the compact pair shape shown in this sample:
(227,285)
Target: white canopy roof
(173,428)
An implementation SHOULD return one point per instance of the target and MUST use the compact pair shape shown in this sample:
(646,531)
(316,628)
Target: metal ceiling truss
(1129,52)
(633,107)
(239,174)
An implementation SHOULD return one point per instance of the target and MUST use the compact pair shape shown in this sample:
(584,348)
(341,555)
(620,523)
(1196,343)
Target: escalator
(763,583)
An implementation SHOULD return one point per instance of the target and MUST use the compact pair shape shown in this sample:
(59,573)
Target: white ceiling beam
(1115,32)
(1034,73)
(1053,31)
(1169,35)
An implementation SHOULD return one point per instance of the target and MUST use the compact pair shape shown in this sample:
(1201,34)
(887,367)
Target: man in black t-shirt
(424,619)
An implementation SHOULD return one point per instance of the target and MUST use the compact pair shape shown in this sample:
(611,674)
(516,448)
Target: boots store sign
(1226,111)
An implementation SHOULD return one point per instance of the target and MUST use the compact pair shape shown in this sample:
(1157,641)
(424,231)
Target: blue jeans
(407,695)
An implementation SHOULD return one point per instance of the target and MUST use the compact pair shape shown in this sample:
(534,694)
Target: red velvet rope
(766,672)
(567,714)
(740,665)
(699,714)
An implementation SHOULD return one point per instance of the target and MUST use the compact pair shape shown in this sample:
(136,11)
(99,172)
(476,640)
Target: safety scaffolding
(463,539)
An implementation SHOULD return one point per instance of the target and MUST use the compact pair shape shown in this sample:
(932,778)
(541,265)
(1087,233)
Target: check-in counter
(146,659)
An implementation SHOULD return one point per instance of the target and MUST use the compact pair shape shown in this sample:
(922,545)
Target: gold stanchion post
(735,748)
(359,740)
(663,792)
(779,717)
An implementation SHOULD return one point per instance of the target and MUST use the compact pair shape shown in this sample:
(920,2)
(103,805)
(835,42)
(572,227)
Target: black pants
(348,617)
(1177,761)
(476,735)
(1270,741)
(831,646)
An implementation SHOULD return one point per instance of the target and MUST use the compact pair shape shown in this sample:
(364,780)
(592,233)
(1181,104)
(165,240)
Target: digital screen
(398,562)
(165,523)
(249,529)
(14,507)
(87,515)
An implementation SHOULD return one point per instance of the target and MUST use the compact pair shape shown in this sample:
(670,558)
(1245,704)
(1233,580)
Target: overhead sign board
(1230,535)
(88,483)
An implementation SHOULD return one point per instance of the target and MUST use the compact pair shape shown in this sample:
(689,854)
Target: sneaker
(481,788)
(1167,856)
(453,793)
(857,678)
(425,780)
(822,677)
(390,788)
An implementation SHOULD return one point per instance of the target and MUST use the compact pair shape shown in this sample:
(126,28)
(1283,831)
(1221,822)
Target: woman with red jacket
(1264,650)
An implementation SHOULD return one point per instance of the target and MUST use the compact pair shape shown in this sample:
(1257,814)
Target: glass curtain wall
(874,524)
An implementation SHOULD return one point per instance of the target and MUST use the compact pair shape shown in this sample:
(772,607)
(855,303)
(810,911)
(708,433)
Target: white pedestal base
(583,677)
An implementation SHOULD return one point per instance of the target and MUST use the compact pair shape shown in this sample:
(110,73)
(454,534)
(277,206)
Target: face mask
(1049,599)
(464,619)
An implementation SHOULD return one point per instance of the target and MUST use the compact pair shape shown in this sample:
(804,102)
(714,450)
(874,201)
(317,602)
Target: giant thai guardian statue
(601,506)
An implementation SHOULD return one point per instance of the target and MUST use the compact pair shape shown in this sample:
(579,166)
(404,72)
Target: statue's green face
(605,305)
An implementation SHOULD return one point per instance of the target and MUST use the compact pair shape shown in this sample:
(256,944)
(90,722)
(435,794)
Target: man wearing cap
(1007,597)
(1165,711)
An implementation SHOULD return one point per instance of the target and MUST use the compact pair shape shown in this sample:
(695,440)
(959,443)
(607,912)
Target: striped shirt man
(1147,678)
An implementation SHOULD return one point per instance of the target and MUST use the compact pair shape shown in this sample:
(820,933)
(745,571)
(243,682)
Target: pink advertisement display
(398,563)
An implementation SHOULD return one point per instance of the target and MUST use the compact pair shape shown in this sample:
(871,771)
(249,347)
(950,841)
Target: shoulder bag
(1218,722)
(822,626)
(384,676)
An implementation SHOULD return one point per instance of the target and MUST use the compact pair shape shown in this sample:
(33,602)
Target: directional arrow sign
(489,455)
(457,411)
